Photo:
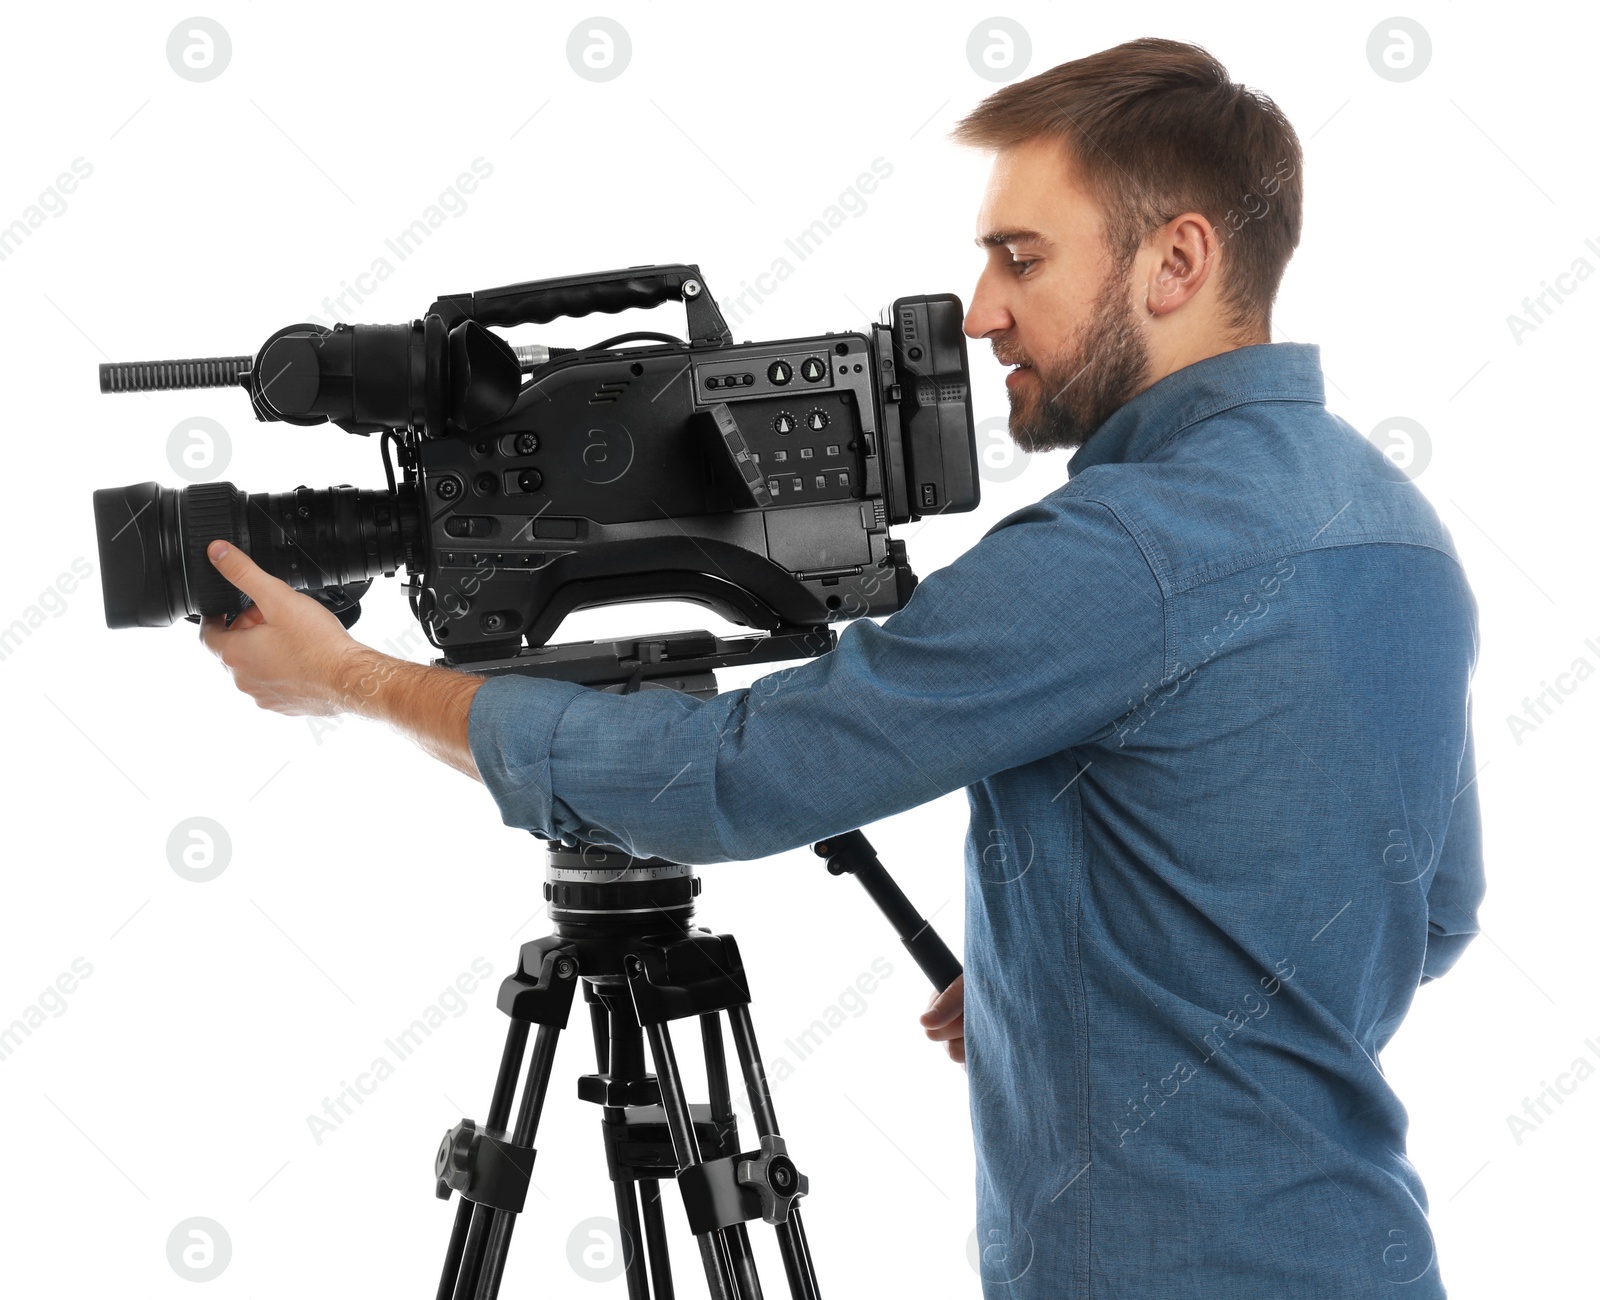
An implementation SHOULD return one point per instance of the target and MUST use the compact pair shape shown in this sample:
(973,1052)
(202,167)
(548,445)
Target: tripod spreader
(853,853)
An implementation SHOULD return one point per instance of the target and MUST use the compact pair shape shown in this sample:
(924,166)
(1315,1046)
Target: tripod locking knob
(483,1168)
(775,1180)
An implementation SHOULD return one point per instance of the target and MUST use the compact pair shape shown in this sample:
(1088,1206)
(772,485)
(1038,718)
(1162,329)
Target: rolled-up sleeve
(1037,638)
(1458,886)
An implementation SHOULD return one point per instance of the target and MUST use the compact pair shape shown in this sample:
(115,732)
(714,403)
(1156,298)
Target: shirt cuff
(510,727)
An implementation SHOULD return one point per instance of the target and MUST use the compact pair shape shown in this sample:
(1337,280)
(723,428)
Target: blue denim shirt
(1210,702)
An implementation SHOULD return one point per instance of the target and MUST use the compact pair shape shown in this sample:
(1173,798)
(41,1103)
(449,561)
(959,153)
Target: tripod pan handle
(852,852)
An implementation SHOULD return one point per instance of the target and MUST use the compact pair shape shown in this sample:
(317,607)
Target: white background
(364,878)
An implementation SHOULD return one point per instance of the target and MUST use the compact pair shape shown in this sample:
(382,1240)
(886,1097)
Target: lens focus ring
(209,511)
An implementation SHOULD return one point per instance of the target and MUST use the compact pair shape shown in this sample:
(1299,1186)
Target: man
(1210,700)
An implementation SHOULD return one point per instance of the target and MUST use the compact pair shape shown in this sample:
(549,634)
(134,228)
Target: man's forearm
(430,705)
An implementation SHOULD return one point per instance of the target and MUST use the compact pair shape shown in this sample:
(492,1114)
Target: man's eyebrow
(997,238)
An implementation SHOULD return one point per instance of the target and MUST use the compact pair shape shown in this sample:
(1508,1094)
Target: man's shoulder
(1065,530)
(1252,484)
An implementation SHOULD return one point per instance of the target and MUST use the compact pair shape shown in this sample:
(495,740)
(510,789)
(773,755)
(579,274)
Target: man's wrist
(431,705)
(361,676)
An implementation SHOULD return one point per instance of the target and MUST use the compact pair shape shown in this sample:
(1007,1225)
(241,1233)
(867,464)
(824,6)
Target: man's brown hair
(1156,128)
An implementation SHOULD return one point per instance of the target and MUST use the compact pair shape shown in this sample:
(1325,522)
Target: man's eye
(1020,266)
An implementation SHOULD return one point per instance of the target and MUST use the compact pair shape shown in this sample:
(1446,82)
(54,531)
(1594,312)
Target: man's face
(1050,300)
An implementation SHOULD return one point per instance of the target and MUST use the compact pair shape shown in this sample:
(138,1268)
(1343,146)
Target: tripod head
(608,895)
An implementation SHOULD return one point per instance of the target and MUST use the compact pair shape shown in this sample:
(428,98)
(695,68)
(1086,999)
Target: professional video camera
(758,479)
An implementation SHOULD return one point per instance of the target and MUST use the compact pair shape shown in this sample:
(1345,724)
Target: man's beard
(1074,392)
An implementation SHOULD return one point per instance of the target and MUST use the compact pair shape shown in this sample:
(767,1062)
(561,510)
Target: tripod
(623,931)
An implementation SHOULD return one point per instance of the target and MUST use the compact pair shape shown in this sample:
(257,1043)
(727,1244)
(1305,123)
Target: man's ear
(1186,252)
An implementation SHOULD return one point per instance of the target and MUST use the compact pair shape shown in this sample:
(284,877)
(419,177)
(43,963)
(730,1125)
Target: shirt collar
(1263,372)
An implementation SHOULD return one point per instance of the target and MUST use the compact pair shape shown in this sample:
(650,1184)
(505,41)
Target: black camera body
(757,479)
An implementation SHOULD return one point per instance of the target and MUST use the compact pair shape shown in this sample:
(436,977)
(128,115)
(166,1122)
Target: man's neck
(1167,361)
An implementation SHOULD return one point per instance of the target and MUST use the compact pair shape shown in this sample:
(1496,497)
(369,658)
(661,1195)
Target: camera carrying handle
(539,301)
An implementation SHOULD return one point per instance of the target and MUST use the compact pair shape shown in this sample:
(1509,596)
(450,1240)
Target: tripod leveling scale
(623,932)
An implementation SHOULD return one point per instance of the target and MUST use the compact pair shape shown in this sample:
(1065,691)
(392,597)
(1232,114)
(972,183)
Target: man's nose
(986,314)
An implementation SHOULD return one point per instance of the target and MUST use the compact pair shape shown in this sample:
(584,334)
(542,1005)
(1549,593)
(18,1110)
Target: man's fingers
(244,573)
(946,1005)
(211,627)
(214,627)
(945,1020)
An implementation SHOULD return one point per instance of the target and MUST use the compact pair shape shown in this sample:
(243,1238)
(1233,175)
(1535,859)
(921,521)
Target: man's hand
(287,651)
(292,655)
(944,1021)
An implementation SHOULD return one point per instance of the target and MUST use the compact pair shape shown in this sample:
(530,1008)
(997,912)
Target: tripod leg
(452,1254)
(720,1274)
(461,1236)
(612,1050)
(628,1223)
(473,1272)
(744,1263)
(533,1095)
(791,1234)
(466,1278)
(655,1233)
(619,1048)
(722,1109)
(797,1257)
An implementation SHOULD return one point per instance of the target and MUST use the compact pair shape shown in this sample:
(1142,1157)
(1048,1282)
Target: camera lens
(153,564)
